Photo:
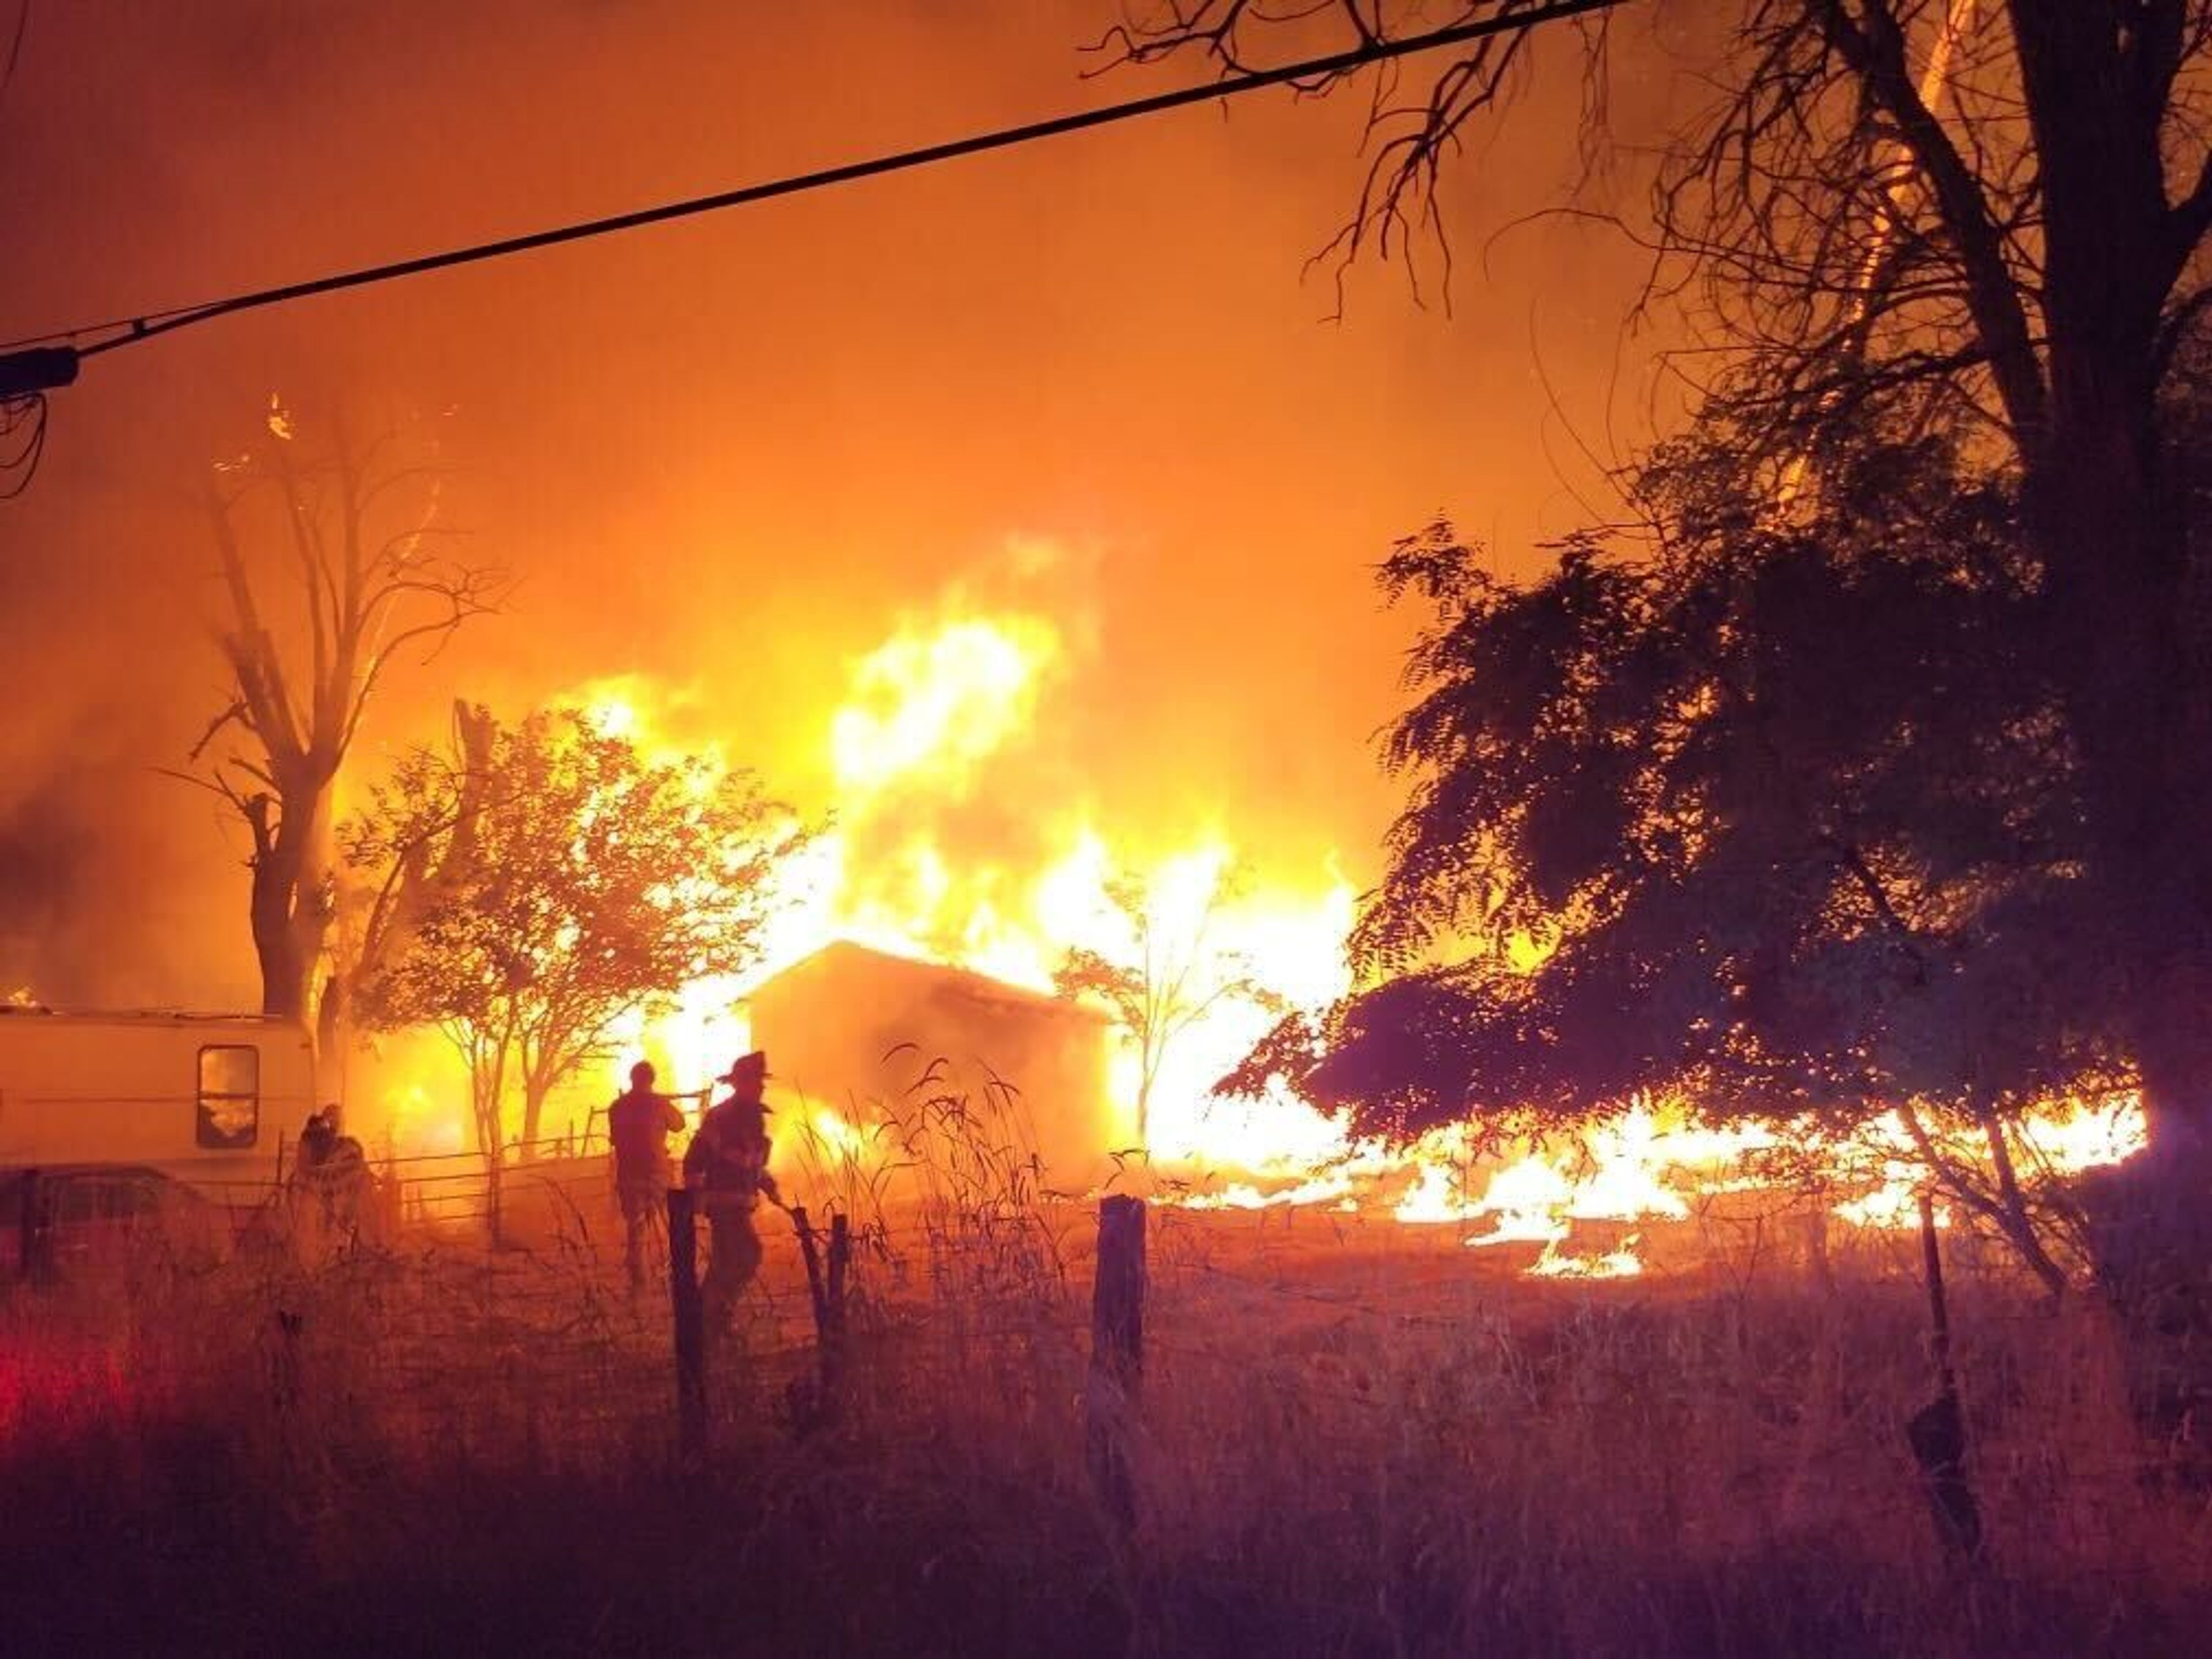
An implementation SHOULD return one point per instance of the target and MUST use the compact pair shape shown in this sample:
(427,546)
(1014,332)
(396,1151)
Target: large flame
(925,719)
(925,713)
(933,705)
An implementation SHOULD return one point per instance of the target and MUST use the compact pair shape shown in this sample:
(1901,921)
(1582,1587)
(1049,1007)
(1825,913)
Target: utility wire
(151,323)
(15,47)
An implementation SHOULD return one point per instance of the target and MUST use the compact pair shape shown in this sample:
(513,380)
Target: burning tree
(1940,217)
(589,883)
(1171,973)
(363,583)
(1788,809)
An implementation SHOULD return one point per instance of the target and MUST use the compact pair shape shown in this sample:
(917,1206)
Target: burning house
(865,1033)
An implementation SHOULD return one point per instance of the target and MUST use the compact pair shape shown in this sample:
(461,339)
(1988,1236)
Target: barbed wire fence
(472,1313)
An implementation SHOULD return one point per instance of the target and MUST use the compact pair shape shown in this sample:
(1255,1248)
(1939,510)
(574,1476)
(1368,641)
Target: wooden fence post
(35,1257)
(1117,1355)
(1937,1432)
(26,1225)
(690,1326)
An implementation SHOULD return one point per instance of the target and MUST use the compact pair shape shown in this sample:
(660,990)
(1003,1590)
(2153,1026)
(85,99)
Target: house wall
(859,1033)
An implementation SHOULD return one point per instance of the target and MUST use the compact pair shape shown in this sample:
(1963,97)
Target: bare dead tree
(341,576)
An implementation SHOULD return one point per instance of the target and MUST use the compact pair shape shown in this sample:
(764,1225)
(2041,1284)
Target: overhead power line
(27,372)
(15,47)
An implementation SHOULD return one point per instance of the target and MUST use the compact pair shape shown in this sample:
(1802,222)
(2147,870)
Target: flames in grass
(1654,1165)
(929,721)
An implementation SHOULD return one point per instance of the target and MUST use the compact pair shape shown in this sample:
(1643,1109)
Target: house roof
(842,958)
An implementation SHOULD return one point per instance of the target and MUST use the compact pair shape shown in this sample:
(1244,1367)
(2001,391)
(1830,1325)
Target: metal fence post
(825,1288)
(833,1335)
(1937,1432)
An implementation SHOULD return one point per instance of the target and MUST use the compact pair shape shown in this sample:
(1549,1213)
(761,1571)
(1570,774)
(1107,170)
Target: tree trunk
(2130,638)
(2132,641)
(2138,695)
(290,910)
(533,1116)
(333,1011)
(488,1092)
(2102,508)
(286,970)
(2118,558)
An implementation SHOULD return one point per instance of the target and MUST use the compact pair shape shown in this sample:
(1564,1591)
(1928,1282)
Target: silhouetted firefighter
(639,1123)
(726,1164)
(333,1171)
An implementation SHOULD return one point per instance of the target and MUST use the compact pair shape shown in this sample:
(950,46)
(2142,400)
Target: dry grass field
(1352,1437)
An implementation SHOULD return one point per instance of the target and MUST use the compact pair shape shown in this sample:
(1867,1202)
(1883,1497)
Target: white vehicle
(213,1100)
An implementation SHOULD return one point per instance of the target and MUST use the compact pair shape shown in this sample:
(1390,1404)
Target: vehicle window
(95,1198)
(229,1095)
(132,1195)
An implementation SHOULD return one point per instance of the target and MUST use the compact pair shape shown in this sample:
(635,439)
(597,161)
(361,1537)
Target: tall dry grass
(1353,1439)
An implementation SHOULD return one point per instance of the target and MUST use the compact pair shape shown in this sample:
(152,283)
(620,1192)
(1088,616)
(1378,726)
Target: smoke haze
(736,456)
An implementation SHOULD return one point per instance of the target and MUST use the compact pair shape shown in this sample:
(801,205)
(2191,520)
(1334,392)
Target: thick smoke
(734,455)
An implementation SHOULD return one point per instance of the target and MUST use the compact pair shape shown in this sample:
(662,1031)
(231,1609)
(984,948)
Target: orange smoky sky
(734,454)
